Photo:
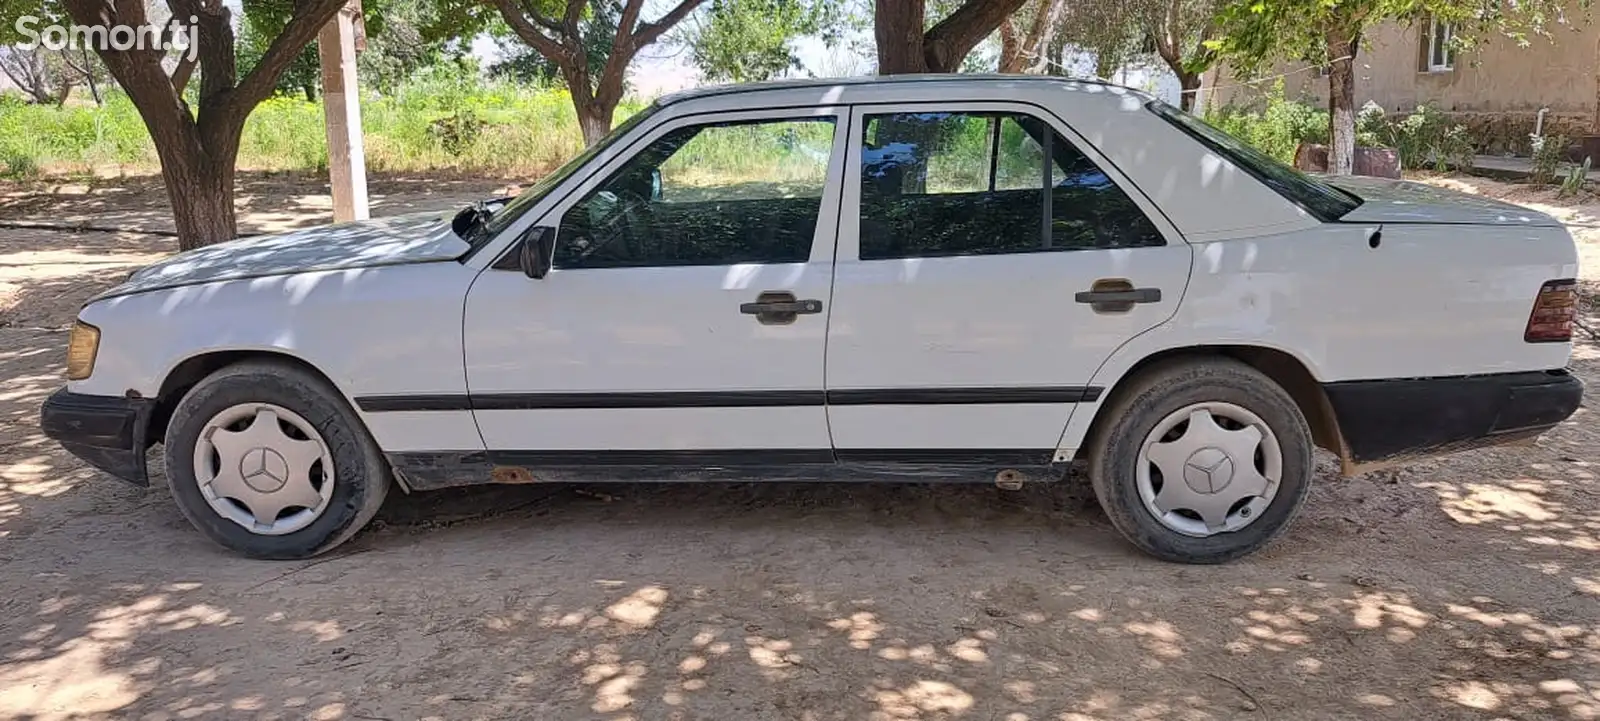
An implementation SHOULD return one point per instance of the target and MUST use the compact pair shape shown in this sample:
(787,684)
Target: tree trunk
(202,203)
(200,189)
(1011,59)
(898,27)
(197,165)
(1190,85)
(88,77)
(310,89)
(594,119)
(1342,107)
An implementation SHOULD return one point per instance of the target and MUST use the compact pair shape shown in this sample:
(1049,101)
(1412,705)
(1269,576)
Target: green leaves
(749,40)
(1255,32)
(12,10)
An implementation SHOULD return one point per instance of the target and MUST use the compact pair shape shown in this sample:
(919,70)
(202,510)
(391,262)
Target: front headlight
(82,345)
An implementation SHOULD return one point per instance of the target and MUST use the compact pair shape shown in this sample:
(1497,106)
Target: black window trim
(1165,111)
(1171,233)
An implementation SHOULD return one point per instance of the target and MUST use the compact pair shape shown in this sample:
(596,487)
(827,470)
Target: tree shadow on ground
(1464,588)
(808,602)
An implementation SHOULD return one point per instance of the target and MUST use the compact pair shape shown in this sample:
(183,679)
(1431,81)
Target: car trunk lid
(1399,201)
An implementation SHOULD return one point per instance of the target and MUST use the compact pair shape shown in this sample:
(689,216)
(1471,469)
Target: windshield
(529,197)
(1324,201)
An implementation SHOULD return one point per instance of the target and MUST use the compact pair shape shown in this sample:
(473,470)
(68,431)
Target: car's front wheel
(1201,460)
(267,459)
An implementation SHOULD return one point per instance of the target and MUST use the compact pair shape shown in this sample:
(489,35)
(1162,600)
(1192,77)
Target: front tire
(268,460)
(1201,460)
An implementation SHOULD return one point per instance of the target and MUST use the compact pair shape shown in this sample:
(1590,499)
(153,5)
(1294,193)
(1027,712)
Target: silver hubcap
(264,468)
(1209,468)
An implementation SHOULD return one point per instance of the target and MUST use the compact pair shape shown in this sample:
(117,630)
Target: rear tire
(315,429)
(1236,444)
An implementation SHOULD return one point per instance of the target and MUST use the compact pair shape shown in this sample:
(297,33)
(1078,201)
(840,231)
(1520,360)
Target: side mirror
(537,252)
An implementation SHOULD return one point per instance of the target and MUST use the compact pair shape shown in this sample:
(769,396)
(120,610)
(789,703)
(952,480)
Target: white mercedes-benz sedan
(976,278)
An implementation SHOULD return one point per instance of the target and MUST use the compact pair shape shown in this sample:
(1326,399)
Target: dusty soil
(1467,588)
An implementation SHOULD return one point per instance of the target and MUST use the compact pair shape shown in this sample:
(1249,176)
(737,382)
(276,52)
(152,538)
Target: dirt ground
(1467,588)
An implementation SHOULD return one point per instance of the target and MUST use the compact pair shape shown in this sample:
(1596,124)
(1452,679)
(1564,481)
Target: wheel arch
(185,374)
(1288,371)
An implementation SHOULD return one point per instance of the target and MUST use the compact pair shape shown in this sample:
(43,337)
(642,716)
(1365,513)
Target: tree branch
(946,43)
(23,76)
(183,71)
(648,32)
(309,18)
(525,29)
(1039,36)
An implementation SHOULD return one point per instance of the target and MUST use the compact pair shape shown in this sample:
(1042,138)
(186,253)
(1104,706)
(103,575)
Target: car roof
(957,79)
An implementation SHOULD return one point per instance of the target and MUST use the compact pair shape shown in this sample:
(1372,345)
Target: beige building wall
(1496,89)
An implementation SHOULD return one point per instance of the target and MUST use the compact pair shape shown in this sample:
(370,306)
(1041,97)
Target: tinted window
(714,194)
(1319,199)
(940,184)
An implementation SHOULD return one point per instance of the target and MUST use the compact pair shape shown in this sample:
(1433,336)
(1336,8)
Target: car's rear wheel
(268,460)
(1201,460)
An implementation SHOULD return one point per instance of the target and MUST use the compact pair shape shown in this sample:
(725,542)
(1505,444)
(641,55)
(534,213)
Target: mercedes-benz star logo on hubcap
(264,469)
(1208,470)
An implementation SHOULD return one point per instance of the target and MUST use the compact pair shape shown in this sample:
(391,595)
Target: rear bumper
(1385,420)
(107,432)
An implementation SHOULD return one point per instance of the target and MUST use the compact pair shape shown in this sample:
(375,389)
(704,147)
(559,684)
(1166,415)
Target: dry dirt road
(1461,589)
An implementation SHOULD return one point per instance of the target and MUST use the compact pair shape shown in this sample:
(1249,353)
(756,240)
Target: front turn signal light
(82,345)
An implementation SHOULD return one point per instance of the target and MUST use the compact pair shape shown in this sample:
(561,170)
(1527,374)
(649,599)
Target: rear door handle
(1134,295)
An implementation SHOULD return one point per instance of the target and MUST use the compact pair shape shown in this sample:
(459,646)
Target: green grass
(436,122)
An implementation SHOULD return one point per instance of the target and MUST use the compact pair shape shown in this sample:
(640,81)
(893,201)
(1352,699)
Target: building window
(1440,54)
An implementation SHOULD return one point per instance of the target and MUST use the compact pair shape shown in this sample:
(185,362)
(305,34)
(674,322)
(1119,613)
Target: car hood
(1400,201)
(399,239)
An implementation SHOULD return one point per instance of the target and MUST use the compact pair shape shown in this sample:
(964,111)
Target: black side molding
(962,396)
(686,399)
(440,402)
(729,399)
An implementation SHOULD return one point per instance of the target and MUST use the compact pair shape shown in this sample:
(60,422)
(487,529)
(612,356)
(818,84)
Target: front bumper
(107,432)
(1385,420)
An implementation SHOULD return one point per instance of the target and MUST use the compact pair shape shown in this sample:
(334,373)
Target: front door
(685,316)
(989,262)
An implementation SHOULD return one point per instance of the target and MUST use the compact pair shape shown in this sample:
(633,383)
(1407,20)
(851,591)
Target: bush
(16,165)
(1577,177)
(1547,153)
(1425,136)
(1280,127)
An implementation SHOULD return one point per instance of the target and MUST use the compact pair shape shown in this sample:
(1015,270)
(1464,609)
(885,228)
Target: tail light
(1553,312)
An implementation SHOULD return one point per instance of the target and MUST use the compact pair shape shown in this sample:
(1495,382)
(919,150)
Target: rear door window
(978,183)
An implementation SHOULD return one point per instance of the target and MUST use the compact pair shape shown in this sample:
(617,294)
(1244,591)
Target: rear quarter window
(1323,201)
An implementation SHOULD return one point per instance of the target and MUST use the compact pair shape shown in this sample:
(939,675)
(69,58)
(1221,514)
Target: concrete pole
(341,107)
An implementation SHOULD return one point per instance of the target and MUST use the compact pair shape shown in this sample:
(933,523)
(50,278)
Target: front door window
(718,194)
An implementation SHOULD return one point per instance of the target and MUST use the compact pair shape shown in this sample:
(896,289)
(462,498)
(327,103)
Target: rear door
(685,316)
(971,305)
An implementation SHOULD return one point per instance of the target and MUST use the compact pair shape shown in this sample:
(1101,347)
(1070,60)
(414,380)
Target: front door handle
(779,307)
